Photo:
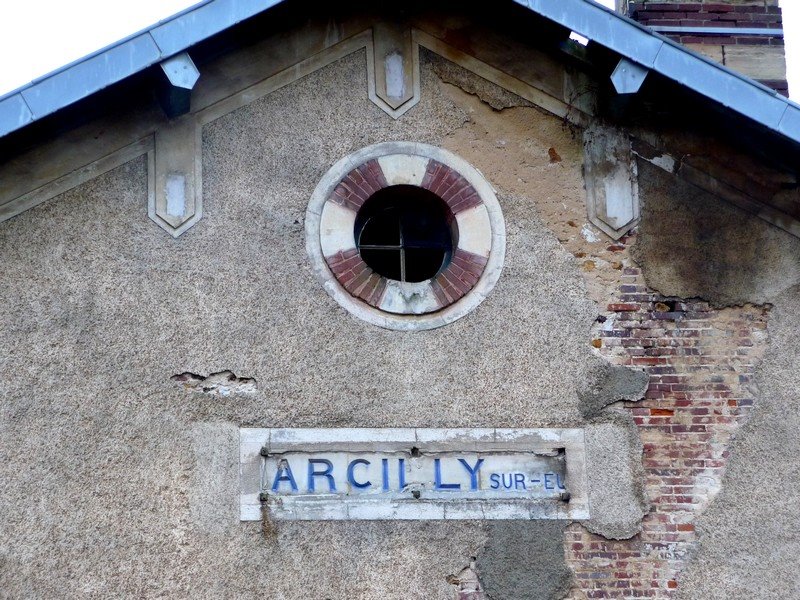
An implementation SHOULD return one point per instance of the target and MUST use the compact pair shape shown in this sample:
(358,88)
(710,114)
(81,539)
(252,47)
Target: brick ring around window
(449,244)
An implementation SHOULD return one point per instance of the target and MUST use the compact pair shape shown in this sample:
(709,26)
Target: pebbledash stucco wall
(118,480)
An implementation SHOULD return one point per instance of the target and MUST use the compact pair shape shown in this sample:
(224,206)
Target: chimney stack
(744,36)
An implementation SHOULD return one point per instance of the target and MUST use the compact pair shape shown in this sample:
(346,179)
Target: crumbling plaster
(690,245)
(118,481)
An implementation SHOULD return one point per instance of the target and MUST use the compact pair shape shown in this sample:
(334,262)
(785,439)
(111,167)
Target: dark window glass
(404,233)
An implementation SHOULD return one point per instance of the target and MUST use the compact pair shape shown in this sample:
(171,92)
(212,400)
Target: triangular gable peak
(640,92)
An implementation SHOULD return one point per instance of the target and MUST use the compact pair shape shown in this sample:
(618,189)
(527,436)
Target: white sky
(38,36)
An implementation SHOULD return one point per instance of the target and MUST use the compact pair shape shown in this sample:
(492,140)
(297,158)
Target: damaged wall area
(589,326)
(536,573)
(747,544)
(223,383)
(585,333)
(695,245)
(700,359)
(745,547)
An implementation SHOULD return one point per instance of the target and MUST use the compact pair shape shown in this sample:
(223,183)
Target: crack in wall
(222,383)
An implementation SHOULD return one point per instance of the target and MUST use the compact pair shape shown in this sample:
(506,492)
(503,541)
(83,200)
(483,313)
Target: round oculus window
(405,235)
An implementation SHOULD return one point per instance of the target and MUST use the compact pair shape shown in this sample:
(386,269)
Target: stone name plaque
(371,474)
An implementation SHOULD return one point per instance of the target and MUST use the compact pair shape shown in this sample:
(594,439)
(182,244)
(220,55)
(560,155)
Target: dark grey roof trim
(130,55)
(601,25)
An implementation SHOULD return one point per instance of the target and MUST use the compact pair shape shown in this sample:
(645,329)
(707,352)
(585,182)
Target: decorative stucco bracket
(175,200)
(611,179)
(393,69)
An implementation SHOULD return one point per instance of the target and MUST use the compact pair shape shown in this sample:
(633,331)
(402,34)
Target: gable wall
(124,481)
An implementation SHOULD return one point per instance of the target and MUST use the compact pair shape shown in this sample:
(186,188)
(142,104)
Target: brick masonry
(761,15)
(451,187)
(356,277)
(459,277)
(704,14)
(358,185)
(700,361)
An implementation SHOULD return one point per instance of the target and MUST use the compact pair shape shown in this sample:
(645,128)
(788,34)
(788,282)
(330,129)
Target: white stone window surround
(405,306)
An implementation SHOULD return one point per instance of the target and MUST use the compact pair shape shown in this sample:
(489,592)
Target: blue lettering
(519,480)
(284,473)
(385,465)
(495,479)
(437,471)
(559,483)
(473,472)
(312,473)
(510,483)
(401,467)
(351,479)
(548,483)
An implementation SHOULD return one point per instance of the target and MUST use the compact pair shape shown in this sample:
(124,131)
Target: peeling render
(223,383)
(492,95)
(467,583)
(701,387)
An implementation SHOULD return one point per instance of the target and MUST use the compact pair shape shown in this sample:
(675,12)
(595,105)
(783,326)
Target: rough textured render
(694,245)
(524,560)
(693,249)
(118,482)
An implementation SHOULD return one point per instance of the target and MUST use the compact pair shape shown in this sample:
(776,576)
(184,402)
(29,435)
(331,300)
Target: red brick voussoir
(451,187)
(358,185)
(459,277)
(356,277)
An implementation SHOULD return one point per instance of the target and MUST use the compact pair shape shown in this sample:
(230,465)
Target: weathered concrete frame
(403,506)
(611,180)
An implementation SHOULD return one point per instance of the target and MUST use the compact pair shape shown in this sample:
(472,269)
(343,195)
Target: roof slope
(601,25)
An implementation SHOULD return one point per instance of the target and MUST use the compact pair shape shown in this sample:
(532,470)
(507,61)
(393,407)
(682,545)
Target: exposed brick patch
(700,363)
(450,186)
(705,14)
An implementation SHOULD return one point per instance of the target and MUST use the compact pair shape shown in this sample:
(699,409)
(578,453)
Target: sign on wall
(372,474)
